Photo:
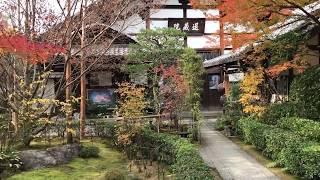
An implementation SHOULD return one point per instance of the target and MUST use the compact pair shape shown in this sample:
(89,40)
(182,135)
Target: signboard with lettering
(189,26)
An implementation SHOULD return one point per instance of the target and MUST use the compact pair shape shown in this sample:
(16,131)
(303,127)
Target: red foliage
(33,52)
(173,89)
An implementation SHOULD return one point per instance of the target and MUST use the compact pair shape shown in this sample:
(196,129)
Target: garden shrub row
(300,155)
(304,127)
(180,154)
(275,112)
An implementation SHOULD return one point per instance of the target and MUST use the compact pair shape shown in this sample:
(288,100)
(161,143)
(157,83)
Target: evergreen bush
(89,152)
(304,127)
(275,112)
(305,91)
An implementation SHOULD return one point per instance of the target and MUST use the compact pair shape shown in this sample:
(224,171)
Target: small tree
(131,108)
(173,90)
(155,48)
(193,72)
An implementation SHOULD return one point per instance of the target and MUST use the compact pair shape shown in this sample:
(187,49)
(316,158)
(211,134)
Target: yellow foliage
(251,95)
(131,106)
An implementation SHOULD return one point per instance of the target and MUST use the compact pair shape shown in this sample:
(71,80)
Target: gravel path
(230,161)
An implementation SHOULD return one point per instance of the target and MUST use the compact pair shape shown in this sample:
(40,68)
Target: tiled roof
(104,49)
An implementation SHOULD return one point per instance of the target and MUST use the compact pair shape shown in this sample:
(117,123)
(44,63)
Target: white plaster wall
(158,24)
(197,13)
(207,41)
(166,13)
(212,27)
(134,24)
(170,2)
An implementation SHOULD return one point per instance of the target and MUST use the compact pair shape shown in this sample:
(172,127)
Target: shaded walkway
(230,161)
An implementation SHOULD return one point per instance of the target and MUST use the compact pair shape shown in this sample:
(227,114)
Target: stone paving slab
(230,161)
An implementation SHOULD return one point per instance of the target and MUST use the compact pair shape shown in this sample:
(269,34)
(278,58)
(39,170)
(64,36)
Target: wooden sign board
(189,26)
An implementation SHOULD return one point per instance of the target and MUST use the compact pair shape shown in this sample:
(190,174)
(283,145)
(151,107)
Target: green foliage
(189,164)
(304,127)
(233,110)
(183,156)
(192,69)
(155,48)
(303,159)
(114,174)
(277,140)
(253,132)
(294,152)
(89,152)
(305,91)
(275,112)
(9,161)
(284,47)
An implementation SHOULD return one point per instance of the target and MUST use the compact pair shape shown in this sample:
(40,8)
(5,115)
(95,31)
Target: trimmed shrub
(253,132)
(114,174)
(305,91)
(189,165)
(275,112)
(276,140)
(303,127)
(303,159)
(180,154)
(89,152)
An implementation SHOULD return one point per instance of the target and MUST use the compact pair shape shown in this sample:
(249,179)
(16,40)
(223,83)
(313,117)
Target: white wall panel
(197,13)
(132,25)
(158,24)
(170,2)
(212,27)
(166,13)
(207,41)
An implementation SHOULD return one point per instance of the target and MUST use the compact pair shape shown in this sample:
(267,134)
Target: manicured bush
(275,112)
(277,140)
(89,152)
(189,164)
(114,174)
(180,154)
(305,91)
(303,127)
(303,159)
(253,132)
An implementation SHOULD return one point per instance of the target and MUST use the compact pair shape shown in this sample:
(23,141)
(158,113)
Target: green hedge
(305,91)
(183,156)
(297,153)
(278,139)
(303,159)
(275,112)
(253,132)
(303,127)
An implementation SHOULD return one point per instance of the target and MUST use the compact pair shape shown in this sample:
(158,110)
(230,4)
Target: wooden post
(221,31)
(83,78)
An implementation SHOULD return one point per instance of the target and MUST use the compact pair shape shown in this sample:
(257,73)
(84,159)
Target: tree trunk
(83,78)
(68,74)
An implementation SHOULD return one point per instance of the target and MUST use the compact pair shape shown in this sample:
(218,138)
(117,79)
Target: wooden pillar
(221,34)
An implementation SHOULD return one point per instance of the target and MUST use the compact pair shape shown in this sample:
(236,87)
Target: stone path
(230,161)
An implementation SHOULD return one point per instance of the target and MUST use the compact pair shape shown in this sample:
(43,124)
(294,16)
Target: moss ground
(84,169)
